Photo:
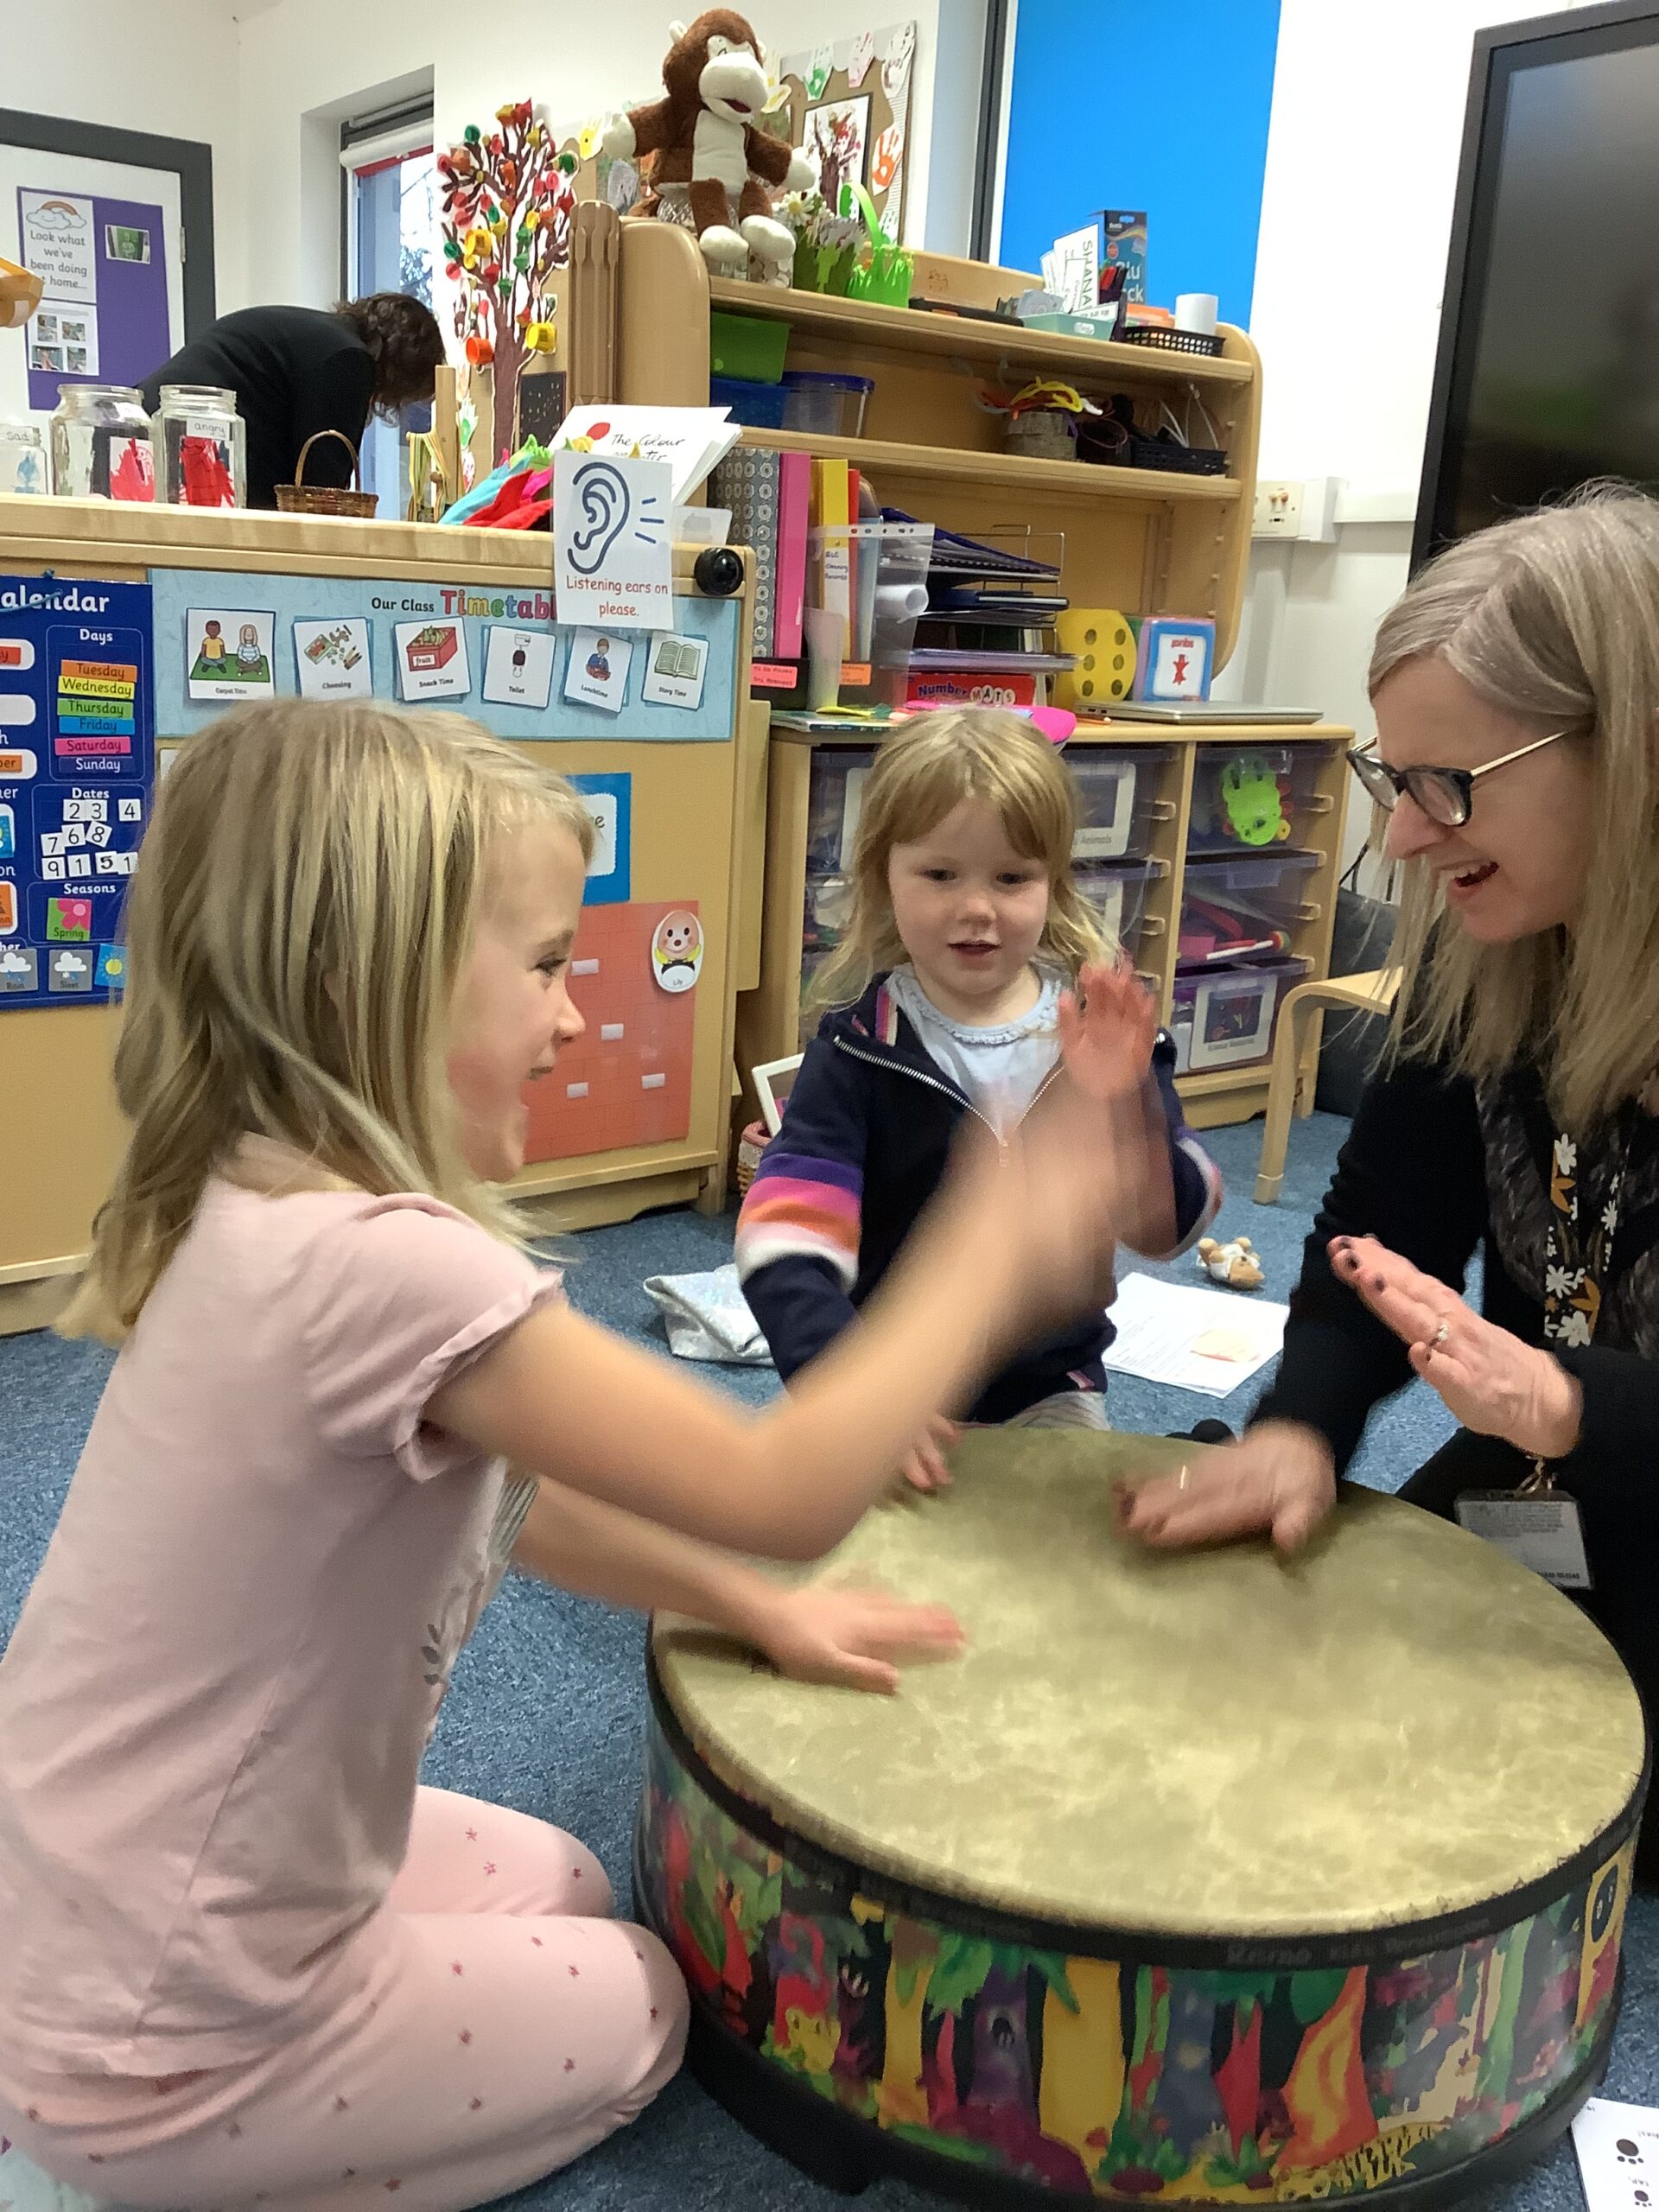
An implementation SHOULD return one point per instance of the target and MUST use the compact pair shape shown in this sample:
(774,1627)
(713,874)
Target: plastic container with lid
(201,443)
(1117,791)
(1246,797)
(101,444)
(835,790)
(25,463)
(1232,908)
(825,403)
(1224,1017)
(757,406)
(1118,890)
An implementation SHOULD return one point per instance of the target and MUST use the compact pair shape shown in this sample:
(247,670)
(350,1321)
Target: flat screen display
(1553,332)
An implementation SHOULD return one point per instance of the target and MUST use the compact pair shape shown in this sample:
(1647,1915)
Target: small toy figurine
(1234,1264)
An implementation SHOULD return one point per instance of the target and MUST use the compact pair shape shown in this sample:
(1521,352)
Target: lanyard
(1584,1209)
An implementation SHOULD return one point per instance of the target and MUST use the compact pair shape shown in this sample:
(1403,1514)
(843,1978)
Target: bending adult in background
(295,371)
(1517,691)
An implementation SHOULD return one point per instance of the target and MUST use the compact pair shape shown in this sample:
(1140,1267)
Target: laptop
(1196,713)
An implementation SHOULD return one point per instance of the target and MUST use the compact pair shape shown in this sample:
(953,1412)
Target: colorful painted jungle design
(1128,2081)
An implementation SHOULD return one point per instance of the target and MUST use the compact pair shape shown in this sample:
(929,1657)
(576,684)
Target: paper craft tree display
(509,202)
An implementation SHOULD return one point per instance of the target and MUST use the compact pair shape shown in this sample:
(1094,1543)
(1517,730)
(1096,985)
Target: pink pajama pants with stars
(499,2024)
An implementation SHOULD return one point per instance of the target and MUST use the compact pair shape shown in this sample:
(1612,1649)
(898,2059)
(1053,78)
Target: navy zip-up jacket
(867,1132)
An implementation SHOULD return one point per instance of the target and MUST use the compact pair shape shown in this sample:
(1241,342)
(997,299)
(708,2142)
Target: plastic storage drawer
(1117,791)
(1233,908)
(1117,891)
(834,790)
(1224,1017)
(1249,796)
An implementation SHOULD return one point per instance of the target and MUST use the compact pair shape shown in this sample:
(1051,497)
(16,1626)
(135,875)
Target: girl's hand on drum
(1278,1480)
(853,1637)
(1108,1027)
(1493,1382)
(924,1466)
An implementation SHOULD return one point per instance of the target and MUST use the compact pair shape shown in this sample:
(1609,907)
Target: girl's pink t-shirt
(213,1709)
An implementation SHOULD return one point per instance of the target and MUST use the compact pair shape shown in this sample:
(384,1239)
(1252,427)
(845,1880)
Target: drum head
(1396,1725)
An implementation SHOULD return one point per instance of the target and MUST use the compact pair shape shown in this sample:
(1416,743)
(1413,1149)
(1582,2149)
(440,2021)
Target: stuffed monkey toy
(704,138)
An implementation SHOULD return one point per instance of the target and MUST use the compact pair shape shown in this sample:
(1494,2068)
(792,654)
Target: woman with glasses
(1516,692)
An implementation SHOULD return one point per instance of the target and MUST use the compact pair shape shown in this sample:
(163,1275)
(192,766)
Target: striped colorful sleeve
(798,1207)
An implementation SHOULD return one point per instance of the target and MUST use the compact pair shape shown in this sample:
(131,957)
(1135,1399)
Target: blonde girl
(243,1957)
(965,932)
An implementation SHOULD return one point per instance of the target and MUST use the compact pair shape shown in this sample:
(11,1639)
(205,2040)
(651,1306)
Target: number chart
(77,775)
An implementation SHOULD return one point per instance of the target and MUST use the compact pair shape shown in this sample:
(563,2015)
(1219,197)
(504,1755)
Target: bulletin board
(849,108)
(103,316)
(77,770)
(454,634)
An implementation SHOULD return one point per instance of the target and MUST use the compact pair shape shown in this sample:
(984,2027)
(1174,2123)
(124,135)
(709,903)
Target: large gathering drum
(1212,1876)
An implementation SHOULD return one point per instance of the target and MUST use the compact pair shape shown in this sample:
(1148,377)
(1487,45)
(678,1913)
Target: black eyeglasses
(1444,794)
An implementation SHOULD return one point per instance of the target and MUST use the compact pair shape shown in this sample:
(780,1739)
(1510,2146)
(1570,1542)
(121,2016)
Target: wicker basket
(300,499)
(750,1146)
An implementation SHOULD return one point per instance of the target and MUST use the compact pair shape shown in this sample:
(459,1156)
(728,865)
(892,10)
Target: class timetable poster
(77,771)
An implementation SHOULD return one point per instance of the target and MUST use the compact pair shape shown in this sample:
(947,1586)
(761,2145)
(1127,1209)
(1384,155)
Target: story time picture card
(674,671)
(331,658)
(431,660)
(613,562)
(598,673)
(228,652)
(518,666)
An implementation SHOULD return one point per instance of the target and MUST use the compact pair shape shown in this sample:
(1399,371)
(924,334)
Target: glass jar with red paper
(200,448)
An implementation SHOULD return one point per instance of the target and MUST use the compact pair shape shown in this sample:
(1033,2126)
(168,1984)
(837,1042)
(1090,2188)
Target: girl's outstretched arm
(1013,1240)
(851,1636)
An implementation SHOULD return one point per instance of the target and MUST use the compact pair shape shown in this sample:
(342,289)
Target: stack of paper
(1211,1341)
(691,440)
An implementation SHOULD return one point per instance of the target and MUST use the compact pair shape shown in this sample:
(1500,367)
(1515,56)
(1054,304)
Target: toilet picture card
(228,653)
(331,658)
(432,661)
(518,666)
(598,674)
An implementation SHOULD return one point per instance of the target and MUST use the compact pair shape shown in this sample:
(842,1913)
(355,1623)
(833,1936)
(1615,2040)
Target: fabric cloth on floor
(709,1317)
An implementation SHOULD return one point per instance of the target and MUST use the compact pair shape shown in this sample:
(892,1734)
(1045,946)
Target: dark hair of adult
(406,342)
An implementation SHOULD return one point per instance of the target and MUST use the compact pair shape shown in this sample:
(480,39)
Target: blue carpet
(545,1711)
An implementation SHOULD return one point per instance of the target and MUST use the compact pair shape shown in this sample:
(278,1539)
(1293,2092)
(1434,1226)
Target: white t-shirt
(999,1071)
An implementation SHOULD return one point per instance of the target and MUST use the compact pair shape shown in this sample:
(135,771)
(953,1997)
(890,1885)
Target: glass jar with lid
(100,443)
(25,466)
(201,443)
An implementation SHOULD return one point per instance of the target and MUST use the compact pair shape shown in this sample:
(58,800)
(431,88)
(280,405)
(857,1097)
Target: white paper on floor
(1618,2155)
(1211,1341)
(708,1318)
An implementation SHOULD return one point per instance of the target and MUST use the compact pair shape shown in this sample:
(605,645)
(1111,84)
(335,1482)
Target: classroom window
(391,223)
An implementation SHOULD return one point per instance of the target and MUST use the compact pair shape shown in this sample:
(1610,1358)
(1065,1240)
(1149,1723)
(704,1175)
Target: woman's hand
(1278,1480)
(853,1637)
(1493,1382)
(923,1465)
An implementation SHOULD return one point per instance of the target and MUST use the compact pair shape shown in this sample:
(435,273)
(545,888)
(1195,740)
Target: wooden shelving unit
(1144,541)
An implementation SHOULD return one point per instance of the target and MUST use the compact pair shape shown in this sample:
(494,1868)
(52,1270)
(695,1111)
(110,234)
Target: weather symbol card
(228,653)
(598,673)
(331,658)
(518,666)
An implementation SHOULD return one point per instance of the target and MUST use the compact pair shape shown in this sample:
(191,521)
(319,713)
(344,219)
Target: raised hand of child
(1108,1027)
(853,1637)
(924,1466)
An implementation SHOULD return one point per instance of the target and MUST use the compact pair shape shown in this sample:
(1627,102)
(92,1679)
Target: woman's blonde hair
(926,766)
(1553,619)
(302,904)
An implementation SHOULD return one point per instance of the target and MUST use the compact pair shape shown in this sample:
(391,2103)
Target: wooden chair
(1370,993)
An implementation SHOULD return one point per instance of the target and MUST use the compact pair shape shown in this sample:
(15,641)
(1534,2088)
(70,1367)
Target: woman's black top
(1435,1167)
(294,370)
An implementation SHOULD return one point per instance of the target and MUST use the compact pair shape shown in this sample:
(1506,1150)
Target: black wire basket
(1169,341)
